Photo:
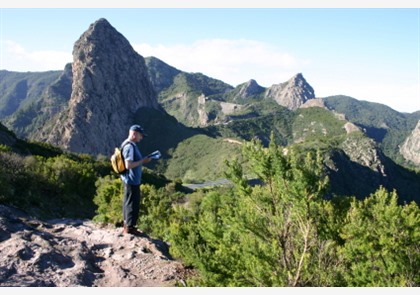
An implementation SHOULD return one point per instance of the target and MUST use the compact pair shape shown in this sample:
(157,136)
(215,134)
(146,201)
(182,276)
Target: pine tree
(263,235)
(382,242)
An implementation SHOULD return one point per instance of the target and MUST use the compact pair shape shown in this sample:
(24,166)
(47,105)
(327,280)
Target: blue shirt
(131,152)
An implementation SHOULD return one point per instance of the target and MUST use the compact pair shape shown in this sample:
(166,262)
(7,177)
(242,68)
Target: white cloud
(232,61)
(14,57)
(402,98)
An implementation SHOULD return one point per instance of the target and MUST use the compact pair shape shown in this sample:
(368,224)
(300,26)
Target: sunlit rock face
(291,94)
(110,83)
(410,149)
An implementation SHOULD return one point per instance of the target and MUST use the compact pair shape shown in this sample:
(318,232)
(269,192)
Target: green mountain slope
(357,166)
(386,126)
(29,100)
(201,158)
(18,90)
(179,92)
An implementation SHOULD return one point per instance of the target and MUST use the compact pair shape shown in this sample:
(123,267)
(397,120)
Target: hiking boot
(132,231)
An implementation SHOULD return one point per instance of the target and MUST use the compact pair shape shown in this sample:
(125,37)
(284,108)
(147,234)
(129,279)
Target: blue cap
(139,129)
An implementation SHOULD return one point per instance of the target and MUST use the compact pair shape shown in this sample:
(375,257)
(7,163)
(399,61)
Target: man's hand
(146,160)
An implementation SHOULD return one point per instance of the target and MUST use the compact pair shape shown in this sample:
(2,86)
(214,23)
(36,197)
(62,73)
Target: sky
(368,52)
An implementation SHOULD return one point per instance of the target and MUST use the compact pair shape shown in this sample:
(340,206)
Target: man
(132,178)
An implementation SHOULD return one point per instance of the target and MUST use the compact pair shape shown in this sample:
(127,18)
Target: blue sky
(370,54)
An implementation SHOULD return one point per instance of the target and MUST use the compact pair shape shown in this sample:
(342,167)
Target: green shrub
(108,199)
(381,242)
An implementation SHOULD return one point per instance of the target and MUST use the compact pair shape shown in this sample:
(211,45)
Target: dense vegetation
(49,184)
(288,230)
(282,233)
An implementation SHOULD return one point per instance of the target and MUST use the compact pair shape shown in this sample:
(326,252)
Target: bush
(108,200)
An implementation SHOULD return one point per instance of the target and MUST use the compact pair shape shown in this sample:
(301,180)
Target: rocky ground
(71,253)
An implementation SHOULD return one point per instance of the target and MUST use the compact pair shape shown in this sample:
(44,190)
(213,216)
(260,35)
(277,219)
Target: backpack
(117,160)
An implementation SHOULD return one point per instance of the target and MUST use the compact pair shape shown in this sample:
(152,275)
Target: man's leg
(127,205)
(135,205)
(131,208)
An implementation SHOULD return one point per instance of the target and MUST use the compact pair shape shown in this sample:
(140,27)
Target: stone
(80,253)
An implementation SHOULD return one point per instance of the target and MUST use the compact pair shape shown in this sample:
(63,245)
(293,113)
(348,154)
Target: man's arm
(133,164)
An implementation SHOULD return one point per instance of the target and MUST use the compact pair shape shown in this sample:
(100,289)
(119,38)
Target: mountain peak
(110,83)
(298,76)
(249,88)
(101,22)
(293,93)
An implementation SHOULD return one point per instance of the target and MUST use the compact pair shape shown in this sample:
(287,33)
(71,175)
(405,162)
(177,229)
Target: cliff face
(410,149)
(110,83)
(291,94)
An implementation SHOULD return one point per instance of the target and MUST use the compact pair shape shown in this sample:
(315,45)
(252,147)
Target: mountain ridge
(107,75)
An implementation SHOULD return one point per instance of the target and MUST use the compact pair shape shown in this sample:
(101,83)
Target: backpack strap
(122,152)
(124,144)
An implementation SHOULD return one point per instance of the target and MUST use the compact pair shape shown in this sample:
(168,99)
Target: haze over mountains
(88,107)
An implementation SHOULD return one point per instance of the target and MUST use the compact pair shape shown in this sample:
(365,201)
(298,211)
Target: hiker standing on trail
(132,178)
